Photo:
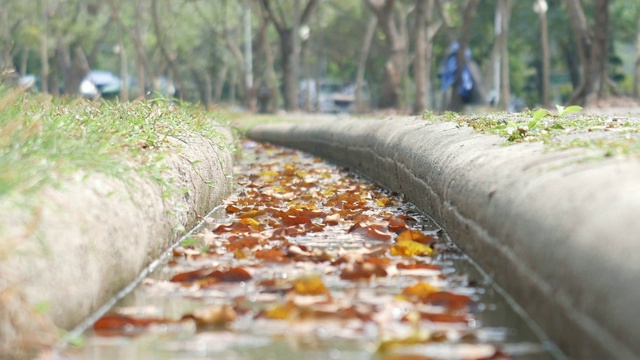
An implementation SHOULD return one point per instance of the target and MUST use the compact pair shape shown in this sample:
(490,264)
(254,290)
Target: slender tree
(362,61)
(289,43)
(541,7)
(636,79)
(593,45)
(425,31)
(395,36)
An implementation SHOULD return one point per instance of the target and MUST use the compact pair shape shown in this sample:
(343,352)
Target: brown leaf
(372,231)
(396,224)
(449,300)
(118,324)
(273,255)
(403,266)
(234,274)
(216,315)
(362,271)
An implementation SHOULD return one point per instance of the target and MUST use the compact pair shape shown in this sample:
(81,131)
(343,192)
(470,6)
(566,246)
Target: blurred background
(333,56)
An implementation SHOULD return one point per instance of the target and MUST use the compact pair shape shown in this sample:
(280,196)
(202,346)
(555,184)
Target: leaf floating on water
(410,248)
(118,324)
(217,315)
(449,300)
(372,230)
(362,271)
(417,236)
(273,255)
(310,285)
(396,224)
(419,291)
(234,274)
(279,311)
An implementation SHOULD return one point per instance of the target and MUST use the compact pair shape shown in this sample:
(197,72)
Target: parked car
(100,83)
(329,97)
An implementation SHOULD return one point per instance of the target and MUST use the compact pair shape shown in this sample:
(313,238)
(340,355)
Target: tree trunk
(232,86)
(203,83)
(74,69)
(572,62)
(6,63)
(23,61)
(593,46)
(44,48)
(290,46)
(636,79)
(289,71)
(506,7)
(124,68)
(136,35)
(362,61)
(419,61)
(221,77)
(269,73)
(396,44)
(208,89)
(546,60)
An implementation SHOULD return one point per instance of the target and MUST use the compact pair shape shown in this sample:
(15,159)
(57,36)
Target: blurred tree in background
(390,53)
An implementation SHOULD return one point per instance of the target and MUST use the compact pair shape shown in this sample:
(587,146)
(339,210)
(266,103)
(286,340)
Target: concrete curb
(93,235)
(561,235)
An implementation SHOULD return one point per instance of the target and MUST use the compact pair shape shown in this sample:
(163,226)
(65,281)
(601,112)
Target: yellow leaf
(415,235)
(410,248)
(421,290)
(311,285)
(269,173)
(280,311)
(252,223)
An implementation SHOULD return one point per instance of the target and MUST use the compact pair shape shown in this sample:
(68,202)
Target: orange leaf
(410,248)
(417,236)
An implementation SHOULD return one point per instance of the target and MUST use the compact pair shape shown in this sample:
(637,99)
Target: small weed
(610,136)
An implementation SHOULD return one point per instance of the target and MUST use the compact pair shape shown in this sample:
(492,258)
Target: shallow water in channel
(308,261)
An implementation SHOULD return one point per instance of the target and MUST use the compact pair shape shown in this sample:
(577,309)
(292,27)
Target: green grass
(605,135)
(45,140)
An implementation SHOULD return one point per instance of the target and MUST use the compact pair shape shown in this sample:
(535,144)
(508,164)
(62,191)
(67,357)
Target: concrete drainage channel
(362,317)
(559,234)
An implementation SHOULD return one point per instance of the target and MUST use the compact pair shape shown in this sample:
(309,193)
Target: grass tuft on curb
(44,140)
